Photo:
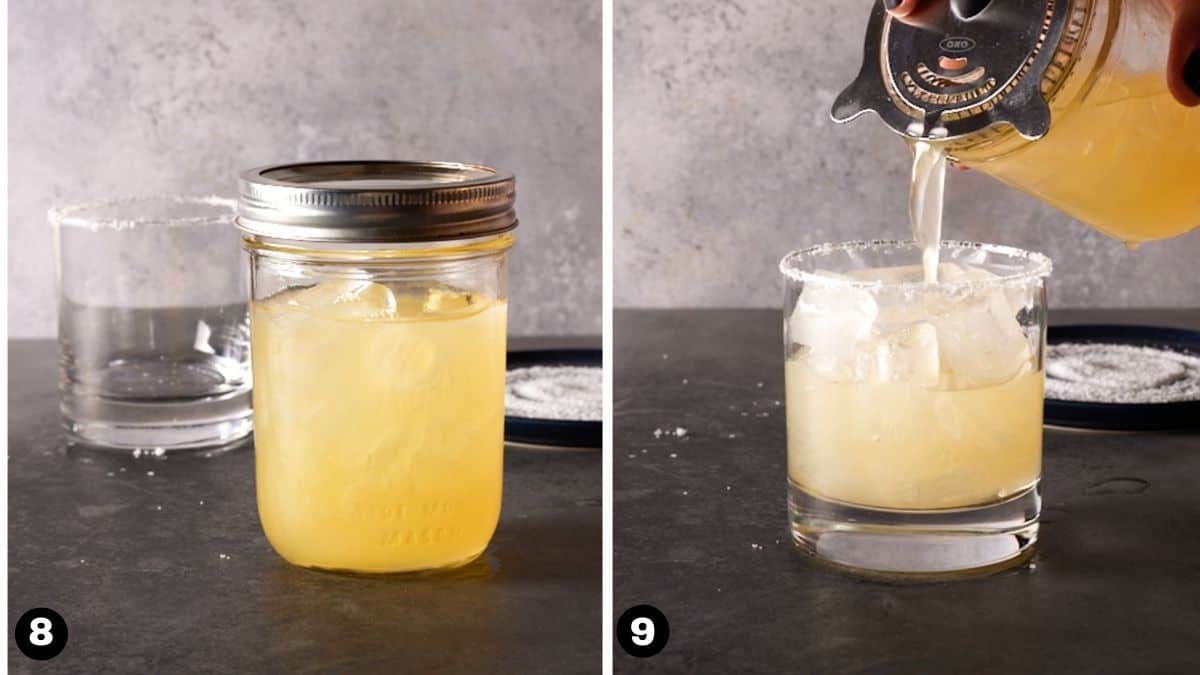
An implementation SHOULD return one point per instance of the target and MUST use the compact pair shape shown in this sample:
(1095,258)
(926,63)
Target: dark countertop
(145,590)
(1116,582)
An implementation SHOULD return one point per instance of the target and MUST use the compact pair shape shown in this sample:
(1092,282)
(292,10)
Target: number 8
(643,631)
(40,635)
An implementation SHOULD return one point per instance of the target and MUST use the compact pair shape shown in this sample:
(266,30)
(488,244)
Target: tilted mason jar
(1066,100)
(378,323)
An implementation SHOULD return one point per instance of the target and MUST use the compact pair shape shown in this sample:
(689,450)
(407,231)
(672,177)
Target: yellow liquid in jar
(379,424)
(899,445)
(1126,160)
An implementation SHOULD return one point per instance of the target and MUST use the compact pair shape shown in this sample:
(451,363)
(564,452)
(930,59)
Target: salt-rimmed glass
(153,332)
(914,409)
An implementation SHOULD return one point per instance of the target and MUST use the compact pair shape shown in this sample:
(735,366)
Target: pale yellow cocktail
(899,445)
(1124,160)
(379,424)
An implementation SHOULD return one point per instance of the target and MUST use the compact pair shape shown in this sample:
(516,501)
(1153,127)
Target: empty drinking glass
(153,333)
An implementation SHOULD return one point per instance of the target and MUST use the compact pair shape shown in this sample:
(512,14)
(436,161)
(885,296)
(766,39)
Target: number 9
(643,631)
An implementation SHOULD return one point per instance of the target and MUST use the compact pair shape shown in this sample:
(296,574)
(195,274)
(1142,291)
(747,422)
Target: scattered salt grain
(673,455)
(149,473)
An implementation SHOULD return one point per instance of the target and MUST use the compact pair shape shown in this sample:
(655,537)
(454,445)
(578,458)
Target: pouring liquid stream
(925,202)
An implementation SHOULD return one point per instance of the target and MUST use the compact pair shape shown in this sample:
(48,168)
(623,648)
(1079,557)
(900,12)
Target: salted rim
(1038,265)
(74,215)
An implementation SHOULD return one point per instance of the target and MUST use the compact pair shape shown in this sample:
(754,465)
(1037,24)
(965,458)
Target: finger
(1183,64)
(901,8)
(916,12)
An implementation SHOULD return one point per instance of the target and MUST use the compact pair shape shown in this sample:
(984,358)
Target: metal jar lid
(375,201)
(967,73)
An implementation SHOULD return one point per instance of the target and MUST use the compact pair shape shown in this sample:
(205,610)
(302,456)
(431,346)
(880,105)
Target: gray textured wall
(129,97)
(726,160)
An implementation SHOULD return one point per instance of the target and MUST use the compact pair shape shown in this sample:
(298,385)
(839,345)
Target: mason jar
(1065,100)
(378,329)
(1122,153)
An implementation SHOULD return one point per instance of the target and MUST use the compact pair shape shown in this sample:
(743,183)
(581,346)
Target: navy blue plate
(1125,416)
(561,433)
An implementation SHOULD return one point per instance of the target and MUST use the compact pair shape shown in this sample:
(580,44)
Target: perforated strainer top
(956,76)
